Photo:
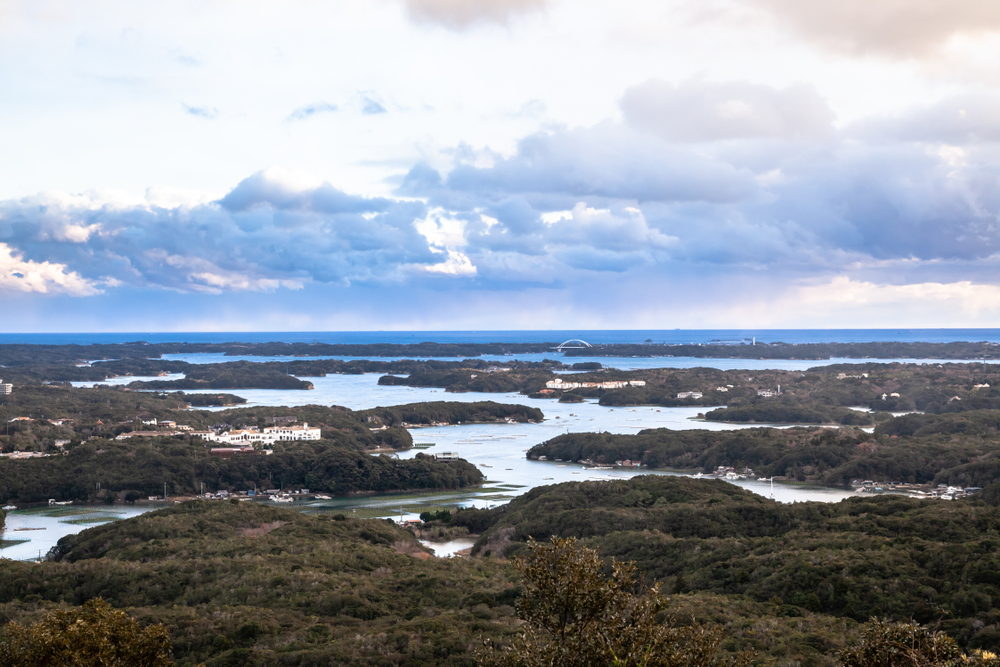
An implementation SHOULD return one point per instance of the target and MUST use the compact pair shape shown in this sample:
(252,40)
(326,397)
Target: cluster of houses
(727,472)
(270,435)
(23,455)
(698,394)
(558,383)
(941,492)
(243,440)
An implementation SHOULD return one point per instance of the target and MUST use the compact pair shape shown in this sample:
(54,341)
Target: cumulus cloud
(698,110)
(370,106)
(461,14)
(885,27)
(962,119)
(884,198)
(202,112)
(311,110)
(266,234)
(19,275)
(604,161)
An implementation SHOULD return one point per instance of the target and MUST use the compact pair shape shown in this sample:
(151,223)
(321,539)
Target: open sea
(672,336)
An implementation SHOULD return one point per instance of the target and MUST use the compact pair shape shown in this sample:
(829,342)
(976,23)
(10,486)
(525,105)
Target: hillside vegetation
(886,556)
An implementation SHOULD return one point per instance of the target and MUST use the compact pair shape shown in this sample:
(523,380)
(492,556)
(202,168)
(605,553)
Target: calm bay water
(42,527)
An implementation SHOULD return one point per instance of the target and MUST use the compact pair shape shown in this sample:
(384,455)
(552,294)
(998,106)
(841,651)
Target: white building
(267,436)
(558,383)
(6,388)
(690,394)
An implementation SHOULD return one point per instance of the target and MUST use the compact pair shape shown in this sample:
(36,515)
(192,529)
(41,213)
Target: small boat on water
(322,497)
(283,499)
(9,508)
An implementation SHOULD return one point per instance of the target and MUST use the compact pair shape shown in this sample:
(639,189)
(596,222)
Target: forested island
(130,471)
(94,464)
(13,355)
(922,449)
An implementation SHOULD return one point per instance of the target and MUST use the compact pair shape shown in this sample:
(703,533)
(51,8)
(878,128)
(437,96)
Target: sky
(226,165)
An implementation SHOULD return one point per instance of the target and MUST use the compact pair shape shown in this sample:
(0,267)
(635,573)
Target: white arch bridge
(573,344)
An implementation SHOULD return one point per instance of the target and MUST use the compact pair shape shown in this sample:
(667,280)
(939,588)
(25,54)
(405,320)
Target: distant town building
(6,388)
(268,435)
(690,394)
(558,383)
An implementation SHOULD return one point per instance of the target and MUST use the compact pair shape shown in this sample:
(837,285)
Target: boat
(9,508)
(322,497)
(283,499)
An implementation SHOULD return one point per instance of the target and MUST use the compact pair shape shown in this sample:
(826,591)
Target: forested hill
(886,556)
(257,586)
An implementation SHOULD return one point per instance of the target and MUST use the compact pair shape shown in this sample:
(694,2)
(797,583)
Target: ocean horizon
(594,336)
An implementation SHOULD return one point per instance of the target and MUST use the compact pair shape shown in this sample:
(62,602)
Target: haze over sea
(603,336)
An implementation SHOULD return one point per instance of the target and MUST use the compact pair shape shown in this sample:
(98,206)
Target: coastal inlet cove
(784,485)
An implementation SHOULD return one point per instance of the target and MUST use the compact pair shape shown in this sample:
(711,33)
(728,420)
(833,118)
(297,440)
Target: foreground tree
(575,615)
(94,635)
(886,644)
